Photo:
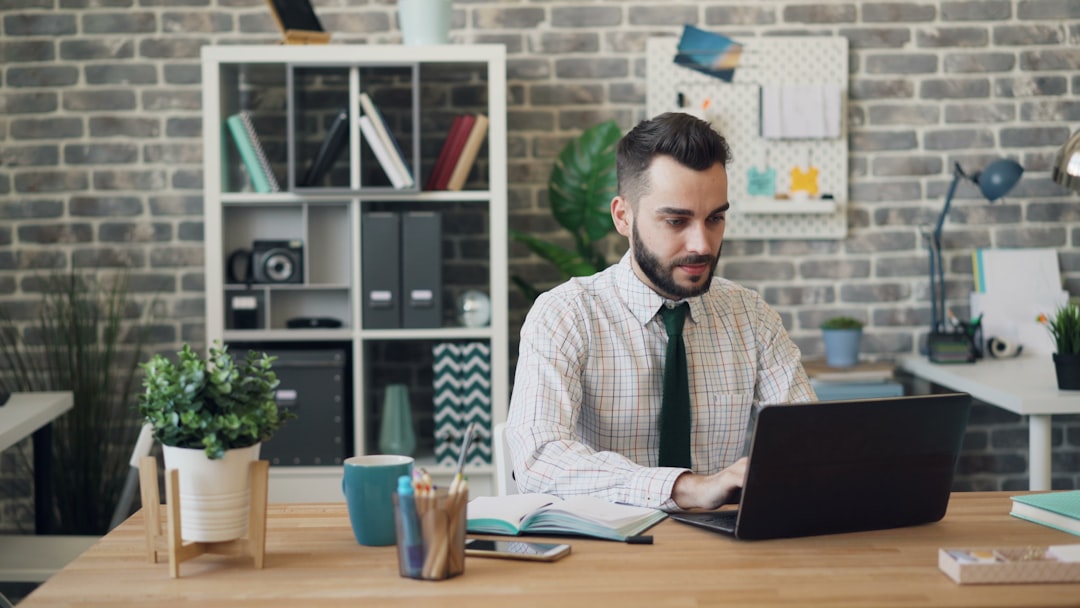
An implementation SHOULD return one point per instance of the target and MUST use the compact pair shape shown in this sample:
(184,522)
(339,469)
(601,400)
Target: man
(586,412)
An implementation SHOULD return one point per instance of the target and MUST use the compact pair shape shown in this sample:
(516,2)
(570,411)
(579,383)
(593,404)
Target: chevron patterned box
(462,396)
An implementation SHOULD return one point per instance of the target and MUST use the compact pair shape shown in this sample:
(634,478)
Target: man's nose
(697,239)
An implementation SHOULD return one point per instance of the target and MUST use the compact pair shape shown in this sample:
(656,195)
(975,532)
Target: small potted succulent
(842,337)
(211,416)
(1064,327)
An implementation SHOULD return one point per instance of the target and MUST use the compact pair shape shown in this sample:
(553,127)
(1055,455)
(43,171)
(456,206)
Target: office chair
(504,470)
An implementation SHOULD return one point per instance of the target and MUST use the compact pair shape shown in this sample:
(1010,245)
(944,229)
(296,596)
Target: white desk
(1025,385)
(30,413)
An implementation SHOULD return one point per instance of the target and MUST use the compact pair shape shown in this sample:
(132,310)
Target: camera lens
(278,267)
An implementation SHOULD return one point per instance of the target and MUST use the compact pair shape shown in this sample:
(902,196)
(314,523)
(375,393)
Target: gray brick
(876,141)
(891,166)
(26,51)
(196,21)
(567,42)
(906,63)
(29,156)
(834,269)
(873,192)
(954,88)
(751,270)
(1065,59)
(182,74)
(120,23)
(874,293)
(130,180)
(876,38)
(108,257)
(98,3)
(101,154)
(739,15)
(56,76)
(1050,110)
(594,68)
(166,99)
(904,114)
(630,92)
(368,22)
(1027,35)
(862,89)
(1022,137)
(583,16)
(51,181)
(174,153)
(33,208)
(121,73)
(907,266)
(979,113)
(1033,236)
(1055,212)
(820,13)
(183,127)
(976,10)
(169,204)
(943,37)
(965,63)
(800,295)
(94,100)
(193,231)
(565,94)
(134,232)
(893,12)
(1048,9)
(981,214)
(171,48)
(37,259)
(509,18)
(957,139)
(105,206)
(187,180)
(46,128)
(662,14)
(89,50)
(39,102)
(176,257)
(39,24)
(111,126)
(52,234)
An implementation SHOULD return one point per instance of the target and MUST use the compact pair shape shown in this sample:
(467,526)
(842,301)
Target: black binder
(329,150)
(421,269)
(380,250)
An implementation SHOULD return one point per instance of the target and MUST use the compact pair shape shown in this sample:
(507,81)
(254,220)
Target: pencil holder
(431,533)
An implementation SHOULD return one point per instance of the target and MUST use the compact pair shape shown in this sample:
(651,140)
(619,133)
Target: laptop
(845,466)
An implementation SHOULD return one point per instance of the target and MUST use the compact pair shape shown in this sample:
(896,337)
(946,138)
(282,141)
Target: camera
(277,261)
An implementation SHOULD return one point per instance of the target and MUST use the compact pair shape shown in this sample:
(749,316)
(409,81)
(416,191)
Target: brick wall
(101,150)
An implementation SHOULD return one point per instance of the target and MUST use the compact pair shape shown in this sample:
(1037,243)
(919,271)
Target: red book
(451,150)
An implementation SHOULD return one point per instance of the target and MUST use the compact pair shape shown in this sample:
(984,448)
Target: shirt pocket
(720,426)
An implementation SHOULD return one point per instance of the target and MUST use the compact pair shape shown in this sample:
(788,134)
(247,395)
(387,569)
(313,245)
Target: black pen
(639,540)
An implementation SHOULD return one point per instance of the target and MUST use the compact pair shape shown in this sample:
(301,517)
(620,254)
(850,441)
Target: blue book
(252,153)
(1058,510)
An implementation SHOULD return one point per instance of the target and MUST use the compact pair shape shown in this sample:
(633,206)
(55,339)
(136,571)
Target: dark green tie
(675,406)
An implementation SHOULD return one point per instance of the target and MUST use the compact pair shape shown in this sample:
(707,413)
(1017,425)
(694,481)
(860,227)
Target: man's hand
(693,491)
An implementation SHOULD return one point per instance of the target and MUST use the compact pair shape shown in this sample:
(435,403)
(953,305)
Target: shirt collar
(641,300)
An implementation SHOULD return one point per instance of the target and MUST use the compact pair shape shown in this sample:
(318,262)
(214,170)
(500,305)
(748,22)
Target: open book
(542,513)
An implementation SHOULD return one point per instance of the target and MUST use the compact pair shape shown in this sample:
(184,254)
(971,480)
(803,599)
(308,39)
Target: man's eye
(676,221)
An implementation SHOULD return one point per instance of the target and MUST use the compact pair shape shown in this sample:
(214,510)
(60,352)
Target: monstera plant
(580,189)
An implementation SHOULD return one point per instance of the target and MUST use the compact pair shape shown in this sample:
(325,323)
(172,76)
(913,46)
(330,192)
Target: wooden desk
(313,560)
(31,413)
(1024,385)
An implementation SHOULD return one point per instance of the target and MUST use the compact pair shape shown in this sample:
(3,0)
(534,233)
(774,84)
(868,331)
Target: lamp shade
(1067,165)
(998,178)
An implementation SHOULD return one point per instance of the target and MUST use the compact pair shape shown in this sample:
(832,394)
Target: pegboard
(734,109)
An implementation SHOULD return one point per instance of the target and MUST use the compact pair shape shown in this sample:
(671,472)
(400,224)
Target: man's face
(677,228)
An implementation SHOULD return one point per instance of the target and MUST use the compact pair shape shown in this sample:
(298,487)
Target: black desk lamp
(994,182)
(1067,166)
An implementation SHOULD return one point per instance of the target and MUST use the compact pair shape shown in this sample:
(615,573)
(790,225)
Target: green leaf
(583,182)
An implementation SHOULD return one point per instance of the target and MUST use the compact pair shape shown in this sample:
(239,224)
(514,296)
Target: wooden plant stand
(178,550)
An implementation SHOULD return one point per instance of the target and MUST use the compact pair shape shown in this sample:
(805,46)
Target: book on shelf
(252,153)
(819,371)
(544,514)
(451,150)
(329,149)
(382,153)
(467,158)
(1059,510)
(388,139)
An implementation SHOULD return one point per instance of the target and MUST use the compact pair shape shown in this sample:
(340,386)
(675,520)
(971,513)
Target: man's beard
(663,278)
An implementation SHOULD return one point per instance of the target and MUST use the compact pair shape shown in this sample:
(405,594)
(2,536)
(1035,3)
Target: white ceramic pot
(215,495)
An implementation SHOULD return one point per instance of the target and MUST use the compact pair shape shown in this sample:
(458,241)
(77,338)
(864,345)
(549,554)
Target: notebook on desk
(845,466)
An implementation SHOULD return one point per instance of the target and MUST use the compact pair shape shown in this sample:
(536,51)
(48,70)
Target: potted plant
(1064,327)
(211,416)
(580,188)
(842,336)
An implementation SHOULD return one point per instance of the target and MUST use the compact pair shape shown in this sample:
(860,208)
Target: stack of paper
(1012,288)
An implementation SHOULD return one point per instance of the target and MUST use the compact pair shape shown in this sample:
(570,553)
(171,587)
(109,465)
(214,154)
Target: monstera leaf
(580,188)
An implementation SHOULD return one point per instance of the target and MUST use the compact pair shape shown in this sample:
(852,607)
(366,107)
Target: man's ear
(622,215)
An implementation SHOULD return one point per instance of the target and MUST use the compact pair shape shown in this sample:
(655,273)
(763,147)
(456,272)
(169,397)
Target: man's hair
(692,142)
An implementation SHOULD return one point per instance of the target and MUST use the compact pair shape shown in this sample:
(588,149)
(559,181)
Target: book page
(510,509)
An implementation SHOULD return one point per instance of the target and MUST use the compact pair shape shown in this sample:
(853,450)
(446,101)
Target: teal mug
(369,484)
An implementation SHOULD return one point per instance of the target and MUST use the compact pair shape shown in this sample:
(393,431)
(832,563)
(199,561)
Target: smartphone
(513,549)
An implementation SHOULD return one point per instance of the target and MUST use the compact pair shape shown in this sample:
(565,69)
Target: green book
(252,153)
(1059,510)
(544,514)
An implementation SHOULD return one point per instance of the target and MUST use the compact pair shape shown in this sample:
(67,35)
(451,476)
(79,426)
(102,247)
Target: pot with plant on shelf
(1064,327)
(211,416)
(842,336)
